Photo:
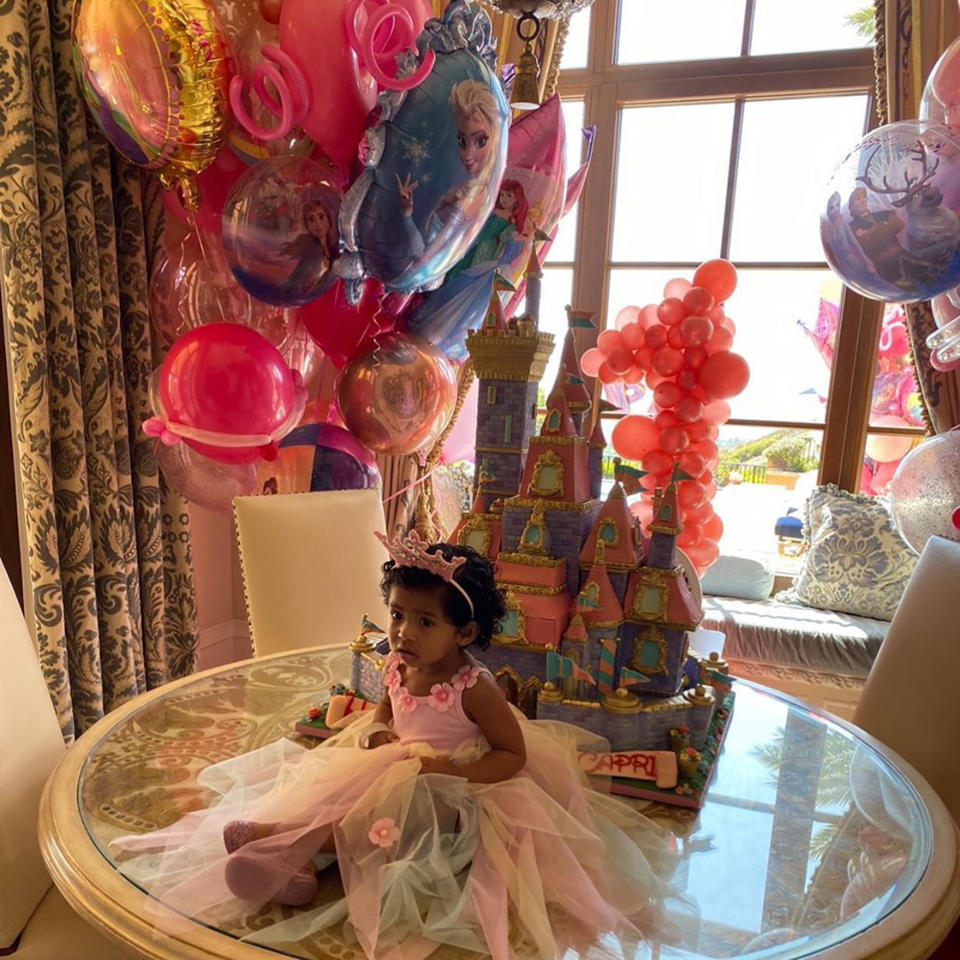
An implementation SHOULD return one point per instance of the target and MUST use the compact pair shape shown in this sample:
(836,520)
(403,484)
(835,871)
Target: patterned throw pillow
(856,561)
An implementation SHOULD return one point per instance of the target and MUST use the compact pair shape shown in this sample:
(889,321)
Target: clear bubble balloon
(279,230)
(925,490)
(192,285)
(889,226)
(205,482)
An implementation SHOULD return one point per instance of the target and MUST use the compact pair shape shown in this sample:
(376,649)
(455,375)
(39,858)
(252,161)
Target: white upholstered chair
(910,700)
(35,921)
(311,566)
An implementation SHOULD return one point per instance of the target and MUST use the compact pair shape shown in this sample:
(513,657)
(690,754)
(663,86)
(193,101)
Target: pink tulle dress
(425,859)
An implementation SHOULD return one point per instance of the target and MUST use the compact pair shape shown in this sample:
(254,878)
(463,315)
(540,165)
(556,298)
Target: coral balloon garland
(681,349)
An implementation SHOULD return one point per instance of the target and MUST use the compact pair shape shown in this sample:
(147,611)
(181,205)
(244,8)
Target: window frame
(607,87)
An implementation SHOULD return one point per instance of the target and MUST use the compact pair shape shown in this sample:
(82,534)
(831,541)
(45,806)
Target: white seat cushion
(55,932)
(311,566)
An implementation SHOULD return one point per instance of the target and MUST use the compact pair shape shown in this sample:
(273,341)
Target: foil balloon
(192,285)
(319,456)
(890,228)
(941,93)
(433,161)
(226,392)
(529,200)
(398,396)
(279,230)
(213,186)
(156,77)
(205,482)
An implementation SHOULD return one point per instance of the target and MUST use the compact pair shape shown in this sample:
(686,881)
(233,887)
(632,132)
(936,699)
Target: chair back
(910,701)
(32,745)
(311,566)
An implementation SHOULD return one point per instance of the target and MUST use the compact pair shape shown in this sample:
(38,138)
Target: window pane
(556,293)
(779,315)
(819,25)
(788,150)
(576,48)
(763,478)
(672,167)
(651,31)
(564,246)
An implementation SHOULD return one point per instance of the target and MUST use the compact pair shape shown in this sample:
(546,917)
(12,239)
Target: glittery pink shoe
(246,879)
(237,833)
(300,889)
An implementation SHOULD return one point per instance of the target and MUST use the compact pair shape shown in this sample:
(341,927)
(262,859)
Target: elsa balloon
(434,161)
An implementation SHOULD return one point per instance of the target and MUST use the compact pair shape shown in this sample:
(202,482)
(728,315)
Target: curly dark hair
(476,576)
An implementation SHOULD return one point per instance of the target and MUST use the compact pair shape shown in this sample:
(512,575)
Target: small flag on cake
(561,666)
(608,656)
(630,678)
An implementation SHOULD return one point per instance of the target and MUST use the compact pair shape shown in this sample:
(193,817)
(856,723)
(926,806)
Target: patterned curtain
(110,581)
(911,35)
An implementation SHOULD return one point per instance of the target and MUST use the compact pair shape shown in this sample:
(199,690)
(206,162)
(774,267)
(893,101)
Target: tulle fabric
(541,856)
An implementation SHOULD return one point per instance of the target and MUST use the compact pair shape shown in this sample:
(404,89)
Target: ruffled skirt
(424,859)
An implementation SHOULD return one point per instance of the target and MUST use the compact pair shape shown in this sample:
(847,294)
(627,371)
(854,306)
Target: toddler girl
(453,819)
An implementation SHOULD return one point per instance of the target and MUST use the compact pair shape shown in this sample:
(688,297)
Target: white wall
(221,609)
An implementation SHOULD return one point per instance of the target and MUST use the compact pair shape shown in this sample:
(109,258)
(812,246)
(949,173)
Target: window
(719,141)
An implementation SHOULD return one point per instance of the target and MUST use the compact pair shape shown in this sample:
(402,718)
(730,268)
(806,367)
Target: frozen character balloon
(902,190)
(445,314)
(279,230)
(434,162)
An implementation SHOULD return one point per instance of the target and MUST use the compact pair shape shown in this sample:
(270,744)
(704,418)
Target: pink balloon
(208,483)
(695,331)
(227,392)
(591,360)
(667,361)
(687,379)
(626,316)
(648,316)
(724,374)
(676,288)
(619,360)
(633,336)
(688,409)
(885,448)
(666,418)
(671,311)
(691,463)
(656,336)
(674,440)
(634,436)
(656,461)
(460,442)
(717,411)
(214,184)
(609,340)
(314,36)
(667,394)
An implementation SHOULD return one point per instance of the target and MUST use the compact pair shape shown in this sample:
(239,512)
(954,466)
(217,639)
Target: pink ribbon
(291,87)
(376,48)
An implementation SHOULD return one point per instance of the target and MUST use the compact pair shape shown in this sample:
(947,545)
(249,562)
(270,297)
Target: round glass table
(814,840)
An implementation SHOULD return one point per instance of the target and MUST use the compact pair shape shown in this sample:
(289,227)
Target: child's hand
(380,738)
(439,765)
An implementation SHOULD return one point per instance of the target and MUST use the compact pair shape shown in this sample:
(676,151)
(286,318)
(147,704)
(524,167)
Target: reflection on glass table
(810,837)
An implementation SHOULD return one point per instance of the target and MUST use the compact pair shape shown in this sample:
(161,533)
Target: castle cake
(599,613)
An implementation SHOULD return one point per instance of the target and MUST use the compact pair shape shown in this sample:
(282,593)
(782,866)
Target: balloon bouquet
(347,187)
(681,349)
(896,398)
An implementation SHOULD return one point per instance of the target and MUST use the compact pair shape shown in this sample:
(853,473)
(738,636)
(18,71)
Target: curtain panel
(109,586)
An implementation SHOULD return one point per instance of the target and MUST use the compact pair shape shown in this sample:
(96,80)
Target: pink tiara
(411,551)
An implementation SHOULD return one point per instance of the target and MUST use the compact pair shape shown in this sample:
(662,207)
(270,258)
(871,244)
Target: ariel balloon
(433,161)
(155,77)
(528,204)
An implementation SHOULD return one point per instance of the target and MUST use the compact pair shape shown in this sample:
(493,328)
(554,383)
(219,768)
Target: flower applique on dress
(442,696)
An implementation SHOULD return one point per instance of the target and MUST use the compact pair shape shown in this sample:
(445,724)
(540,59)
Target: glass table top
(808,835)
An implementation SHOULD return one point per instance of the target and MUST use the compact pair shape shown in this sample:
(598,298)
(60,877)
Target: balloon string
(408,487)
(372,44)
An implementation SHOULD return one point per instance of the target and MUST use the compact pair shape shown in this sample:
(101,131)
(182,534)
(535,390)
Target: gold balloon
(397,397)
(156,78)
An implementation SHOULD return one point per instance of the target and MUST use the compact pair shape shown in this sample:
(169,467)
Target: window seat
(820,656)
